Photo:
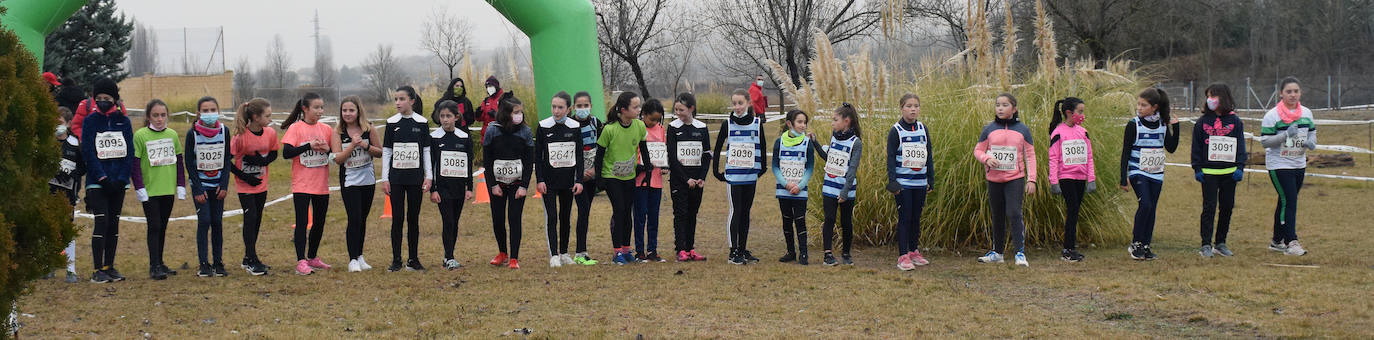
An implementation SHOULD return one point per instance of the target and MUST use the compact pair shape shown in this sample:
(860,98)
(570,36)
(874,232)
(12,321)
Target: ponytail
(1157,97)
(249,111)
(299,110)
(417,106)
(1061,110)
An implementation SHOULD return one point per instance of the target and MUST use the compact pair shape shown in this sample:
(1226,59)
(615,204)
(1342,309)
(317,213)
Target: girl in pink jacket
(1072,173)
(1006,150)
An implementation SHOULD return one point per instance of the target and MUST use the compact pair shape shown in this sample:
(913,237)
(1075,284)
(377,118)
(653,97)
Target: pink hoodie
(1017,138)
(1078,136)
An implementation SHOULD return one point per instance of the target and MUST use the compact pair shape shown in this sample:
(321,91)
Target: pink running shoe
(303,268)
(904,263)
(317,264)
(683,256)
(695,256)
(916,258)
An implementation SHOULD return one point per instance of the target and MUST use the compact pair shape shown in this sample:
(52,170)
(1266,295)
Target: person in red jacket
(487,112)
(759,102)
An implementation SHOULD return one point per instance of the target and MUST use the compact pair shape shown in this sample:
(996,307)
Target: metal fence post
(1248,92)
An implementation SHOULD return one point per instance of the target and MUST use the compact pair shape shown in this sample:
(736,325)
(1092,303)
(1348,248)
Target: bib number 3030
(740,155)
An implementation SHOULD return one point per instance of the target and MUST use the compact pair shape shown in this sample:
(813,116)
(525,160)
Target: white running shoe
(555,261)
(363,263)
(1021,259)
(567,260)
(991,257)
(1295,249)
(353,266)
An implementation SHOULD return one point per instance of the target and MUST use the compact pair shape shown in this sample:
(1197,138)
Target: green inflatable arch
(32,20)
(563,45)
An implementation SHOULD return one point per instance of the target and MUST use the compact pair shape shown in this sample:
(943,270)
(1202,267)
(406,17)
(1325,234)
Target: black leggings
(1073,190)
(1217,189)
(450,209)
(1287,182)
(158,209)
(741,198)
(793,221)
(252,220)
(584,211)
(846,210)
(357,204)
(405,204)
(507,209)
(309,207)
(1005,201)
(210,228)
(106,204)
(1147,200)
(621,193)
(686,203)
(557,213)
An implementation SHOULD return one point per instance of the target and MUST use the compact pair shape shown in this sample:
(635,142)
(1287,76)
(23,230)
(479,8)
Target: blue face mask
(209,118)
(582,113)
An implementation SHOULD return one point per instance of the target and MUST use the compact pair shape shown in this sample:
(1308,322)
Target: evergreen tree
(91,44)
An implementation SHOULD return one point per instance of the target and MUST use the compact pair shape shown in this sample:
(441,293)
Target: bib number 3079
(1006,157)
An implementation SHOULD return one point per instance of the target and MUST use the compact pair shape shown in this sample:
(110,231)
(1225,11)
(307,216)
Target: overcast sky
(355,27)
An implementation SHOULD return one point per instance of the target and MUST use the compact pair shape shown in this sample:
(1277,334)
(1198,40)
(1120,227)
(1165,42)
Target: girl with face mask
(1072,172)
(207,155)
(159,175)
(1218,160)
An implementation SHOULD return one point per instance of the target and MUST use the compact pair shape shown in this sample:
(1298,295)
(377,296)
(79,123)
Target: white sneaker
(363,263)
(567,260)
(1021,259)
(991,257)
(1295,249)
(1277,246)
(353,266)
(555,261)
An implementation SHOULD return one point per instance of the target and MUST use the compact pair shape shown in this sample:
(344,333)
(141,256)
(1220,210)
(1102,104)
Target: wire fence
(1324,93)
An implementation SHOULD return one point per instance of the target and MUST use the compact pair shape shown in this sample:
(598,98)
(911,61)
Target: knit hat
(106,86)
(491,81)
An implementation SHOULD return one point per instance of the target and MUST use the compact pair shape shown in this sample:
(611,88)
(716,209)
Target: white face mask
(517,119)
(582,113)
(760,82)
(491,90)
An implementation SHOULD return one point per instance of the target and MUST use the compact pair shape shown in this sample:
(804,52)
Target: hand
(1310,144)
(496,191)
(1125,188)
(1092,186)
(794,189)
(386,188)
(361,143)
(251,180)
(434,197)
(839,199)
(1055,189)
(319,146)
(181,193)
(1292,131)
(587,174)
(520,192)
(811,135)
(468,196)
(221,193)
(543,189)
(1173,120)
(1030,188)
(1238,175)
(142,195)
(577,188)
(425,186)
(663,171)
(1197,175)
(105,182)
(992,162)
(200,199)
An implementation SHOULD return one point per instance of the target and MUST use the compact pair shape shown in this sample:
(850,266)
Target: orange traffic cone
(386,208)
(309,219)
(479,190)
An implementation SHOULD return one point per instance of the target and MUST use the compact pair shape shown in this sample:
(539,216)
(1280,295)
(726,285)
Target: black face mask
(104,105)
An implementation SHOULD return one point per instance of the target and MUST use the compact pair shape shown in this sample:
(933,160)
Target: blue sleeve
(190,164)
(94,170)
(810,163)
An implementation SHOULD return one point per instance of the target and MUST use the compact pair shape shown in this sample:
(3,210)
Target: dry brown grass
(1180,295)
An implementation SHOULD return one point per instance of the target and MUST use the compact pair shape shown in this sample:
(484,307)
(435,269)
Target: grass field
(1179,295)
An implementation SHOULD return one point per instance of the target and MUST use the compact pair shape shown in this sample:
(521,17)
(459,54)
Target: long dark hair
(299,109)
(504,113)
(1156,96)
(621,102)
(450,95)
(846,110)
(688,100)
(418,105)
(1225,103)
(1061,110)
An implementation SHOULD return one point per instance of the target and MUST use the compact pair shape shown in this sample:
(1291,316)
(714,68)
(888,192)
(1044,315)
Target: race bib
(623,168)
(314,159)
(689,153)
(792,170)
(1074,151)
(589,158)
(1293,147)
(508,170)
(210,157)
(1152,160)
(658,154)
(1221,149)
(562,154)
(740,155)
(252,169)
(67,166)
(359,158)
(161,152)
(453,164)
(914,155)
(405,155)
(1005,156)
(837,163)
(110,145)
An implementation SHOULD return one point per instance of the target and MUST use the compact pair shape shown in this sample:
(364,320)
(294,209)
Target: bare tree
(948,13)
(325,73)
(143,52)
(669,67)
(624,29)
(244,83)
(382,72)
(780,30)
(278,65)
(1093,23)
(446,36)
